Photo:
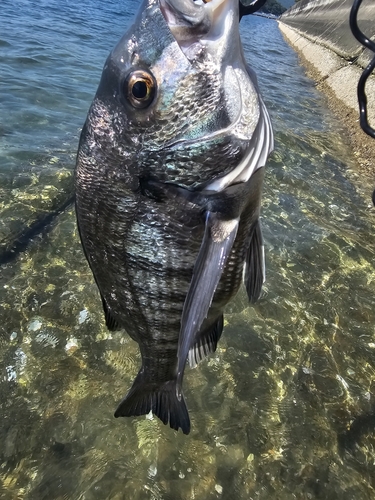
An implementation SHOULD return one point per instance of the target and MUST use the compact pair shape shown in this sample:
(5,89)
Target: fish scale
(168,189)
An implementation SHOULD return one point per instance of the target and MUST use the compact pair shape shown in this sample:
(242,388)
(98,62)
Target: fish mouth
(208,23)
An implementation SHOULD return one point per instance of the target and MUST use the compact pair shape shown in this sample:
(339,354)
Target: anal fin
(255,274)
(206,342)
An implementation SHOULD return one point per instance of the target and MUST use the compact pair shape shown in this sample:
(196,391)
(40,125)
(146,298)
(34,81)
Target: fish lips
(211,24)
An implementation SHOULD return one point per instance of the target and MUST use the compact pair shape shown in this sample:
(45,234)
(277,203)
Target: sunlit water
(285,408)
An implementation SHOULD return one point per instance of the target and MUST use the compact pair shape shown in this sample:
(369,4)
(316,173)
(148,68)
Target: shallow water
(51,57)
(285,407)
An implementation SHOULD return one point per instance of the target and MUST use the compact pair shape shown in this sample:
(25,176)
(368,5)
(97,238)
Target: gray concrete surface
(319,31)
(326,22)
(338,74)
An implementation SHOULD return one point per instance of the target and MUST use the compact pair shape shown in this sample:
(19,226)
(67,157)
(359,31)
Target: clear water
(285,408)
(51,57)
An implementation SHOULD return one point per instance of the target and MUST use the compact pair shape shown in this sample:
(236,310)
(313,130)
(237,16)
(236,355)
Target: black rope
(361,93)
(366,42)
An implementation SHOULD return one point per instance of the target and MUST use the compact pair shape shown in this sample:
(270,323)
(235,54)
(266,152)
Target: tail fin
(145,396)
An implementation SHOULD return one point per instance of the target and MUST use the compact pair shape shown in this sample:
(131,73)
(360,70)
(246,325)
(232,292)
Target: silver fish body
(168,186)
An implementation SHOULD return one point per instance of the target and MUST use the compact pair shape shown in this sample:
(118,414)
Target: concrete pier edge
(338,79)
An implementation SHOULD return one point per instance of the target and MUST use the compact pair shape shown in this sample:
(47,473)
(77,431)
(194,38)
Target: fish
(168,183)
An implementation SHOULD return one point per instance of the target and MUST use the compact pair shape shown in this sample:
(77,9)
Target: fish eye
(139,88)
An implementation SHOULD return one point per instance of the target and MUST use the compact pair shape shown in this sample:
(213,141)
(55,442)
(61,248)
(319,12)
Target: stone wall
(326,22)
(319,31)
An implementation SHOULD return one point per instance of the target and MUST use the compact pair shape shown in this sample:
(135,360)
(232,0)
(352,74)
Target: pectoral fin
(217,243)
(255,273)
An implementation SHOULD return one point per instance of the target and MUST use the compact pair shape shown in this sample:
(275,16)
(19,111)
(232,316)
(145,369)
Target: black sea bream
(168,186)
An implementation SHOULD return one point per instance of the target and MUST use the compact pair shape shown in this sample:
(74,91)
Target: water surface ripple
(286,406)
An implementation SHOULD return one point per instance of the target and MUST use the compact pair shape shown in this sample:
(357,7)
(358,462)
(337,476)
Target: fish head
(175,93)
